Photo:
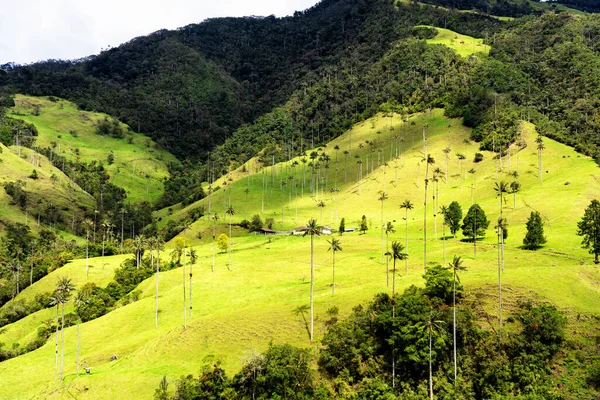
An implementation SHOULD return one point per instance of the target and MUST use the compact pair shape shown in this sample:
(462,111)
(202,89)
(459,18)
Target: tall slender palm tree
(193,258)
(215,218)
(334,246)
(447,152)
(80,299)
(158,245)
(88,225)
(312,230)
(407,205)
(64,288)
(514,188)
(397,254)
(540,148)
(382,197)
(321,205)
(444,211)
(500,227)
(139,243)
(55,300)
(433,325)
(456,265)
(388,229)
(231,212)
(428,161)
(473,172)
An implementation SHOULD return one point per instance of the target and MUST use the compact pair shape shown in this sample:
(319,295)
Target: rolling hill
(240,308)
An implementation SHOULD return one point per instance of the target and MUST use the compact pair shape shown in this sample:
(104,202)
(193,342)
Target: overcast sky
(34,30)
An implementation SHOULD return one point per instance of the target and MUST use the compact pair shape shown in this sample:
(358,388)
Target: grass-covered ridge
(463,45)
(238,312)
(139,164)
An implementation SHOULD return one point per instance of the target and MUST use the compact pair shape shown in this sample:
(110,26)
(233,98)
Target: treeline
(400,347)
(192,88)
(584,5)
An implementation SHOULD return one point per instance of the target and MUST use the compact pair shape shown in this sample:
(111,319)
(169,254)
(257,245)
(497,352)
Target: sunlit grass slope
(463,45)
(17,164)
(139,164)
(239,310)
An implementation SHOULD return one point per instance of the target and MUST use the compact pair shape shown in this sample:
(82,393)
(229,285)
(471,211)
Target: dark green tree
(475,224)
(589,228)
(453,216)
(342,226)
(534,238)
(364,227)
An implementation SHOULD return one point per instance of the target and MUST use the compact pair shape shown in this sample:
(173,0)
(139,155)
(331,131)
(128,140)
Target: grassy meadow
(239,309)
(139,164)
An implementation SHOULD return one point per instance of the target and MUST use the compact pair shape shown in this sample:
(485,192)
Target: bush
(424,32)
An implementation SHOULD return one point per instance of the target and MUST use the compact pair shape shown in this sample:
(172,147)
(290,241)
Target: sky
(35,30)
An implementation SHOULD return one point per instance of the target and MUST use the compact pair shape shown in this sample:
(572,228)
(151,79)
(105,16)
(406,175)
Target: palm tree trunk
(62,357)
(156,295)
(406,246)
(394,289)
(425,227)
(333,276)
(184,293)
(56,347)
(77,352)
(382,228)
(312,283)
(430,369)
(500,301)
(229,243)
(191,273)
(454,323)
(387,271)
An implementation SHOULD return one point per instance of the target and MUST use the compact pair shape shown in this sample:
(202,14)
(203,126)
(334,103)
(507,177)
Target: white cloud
(67,29)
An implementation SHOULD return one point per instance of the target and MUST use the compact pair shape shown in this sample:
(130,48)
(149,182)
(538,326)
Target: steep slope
(190,89)
(48,196)
(133,161)
(239,309)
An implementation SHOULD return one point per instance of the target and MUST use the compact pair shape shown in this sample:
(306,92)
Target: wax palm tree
(501,229)
(428,161)
(473,172)
(388,229)
(193,258)
(433,325)
(540,148)
(321,205)
(215,218)
(447,152)
(231,212)
(88,225)
(56,300)
(514,188)
(397,254)
(456,265)
(334,245)
(158,245)
(407,205)
(444,211)
(312,230)
(382,197)
(501,188)
(64,288)
(80,299)
(139,244)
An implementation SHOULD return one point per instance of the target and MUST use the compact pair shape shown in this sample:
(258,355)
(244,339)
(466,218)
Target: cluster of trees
(400,346)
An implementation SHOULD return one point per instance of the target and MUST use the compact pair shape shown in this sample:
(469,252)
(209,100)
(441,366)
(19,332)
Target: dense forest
(222,91)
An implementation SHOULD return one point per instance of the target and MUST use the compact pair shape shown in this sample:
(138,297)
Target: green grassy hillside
(240,309)
(139,164)
(17,164)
